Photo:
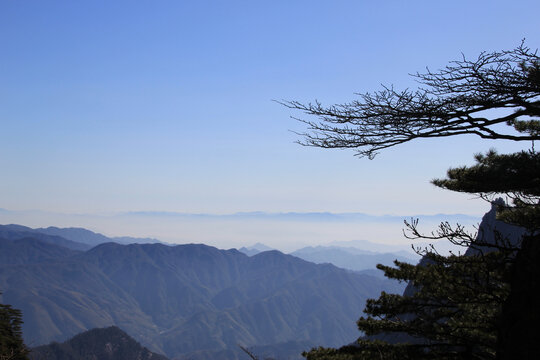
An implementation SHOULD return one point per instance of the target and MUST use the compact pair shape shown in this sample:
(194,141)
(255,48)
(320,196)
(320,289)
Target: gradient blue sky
(114,106)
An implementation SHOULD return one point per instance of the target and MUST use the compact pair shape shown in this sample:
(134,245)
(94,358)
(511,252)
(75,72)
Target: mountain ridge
(109,343)
(72,237)
(188,300)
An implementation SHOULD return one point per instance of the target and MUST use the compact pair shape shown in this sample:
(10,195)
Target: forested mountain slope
(191,301)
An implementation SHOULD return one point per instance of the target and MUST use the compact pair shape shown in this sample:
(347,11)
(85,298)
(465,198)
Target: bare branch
(450,102)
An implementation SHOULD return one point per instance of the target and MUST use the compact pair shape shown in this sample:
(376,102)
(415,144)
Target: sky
(168,107)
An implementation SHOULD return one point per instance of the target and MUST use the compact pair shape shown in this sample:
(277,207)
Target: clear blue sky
(112,106)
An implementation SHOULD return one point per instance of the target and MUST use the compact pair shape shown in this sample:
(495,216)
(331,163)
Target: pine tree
(451,310)
(459,306)
(11,343)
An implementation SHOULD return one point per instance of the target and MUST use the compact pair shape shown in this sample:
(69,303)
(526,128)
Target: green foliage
(452,313)
(517,175)
(457,306)
(455,309)
(11,343)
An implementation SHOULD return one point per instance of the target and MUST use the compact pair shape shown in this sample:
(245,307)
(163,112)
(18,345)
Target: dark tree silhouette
(462,306)
(456,100)
(11,343)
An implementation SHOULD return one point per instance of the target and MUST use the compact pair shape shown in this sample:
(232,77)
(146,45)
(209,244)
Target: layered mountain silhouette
(14,232)
(186,301)
(72,238)
(104,344)
(255,249)
(351,258)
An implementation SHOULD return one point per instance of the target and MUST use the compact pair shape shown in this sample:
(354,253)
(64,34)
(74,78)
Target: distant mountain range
(15,232)
(360,256)
(255,249)
(186,301)
(305,216)
(287,216)
(372,247)
(286,231)
(72,238)
(351,258)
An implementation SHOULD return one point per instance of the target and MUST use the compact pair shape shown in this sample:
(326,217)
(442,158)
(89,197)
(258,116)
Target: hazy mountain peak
(260,246)
(350,257)
(109,343)
(255,249)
